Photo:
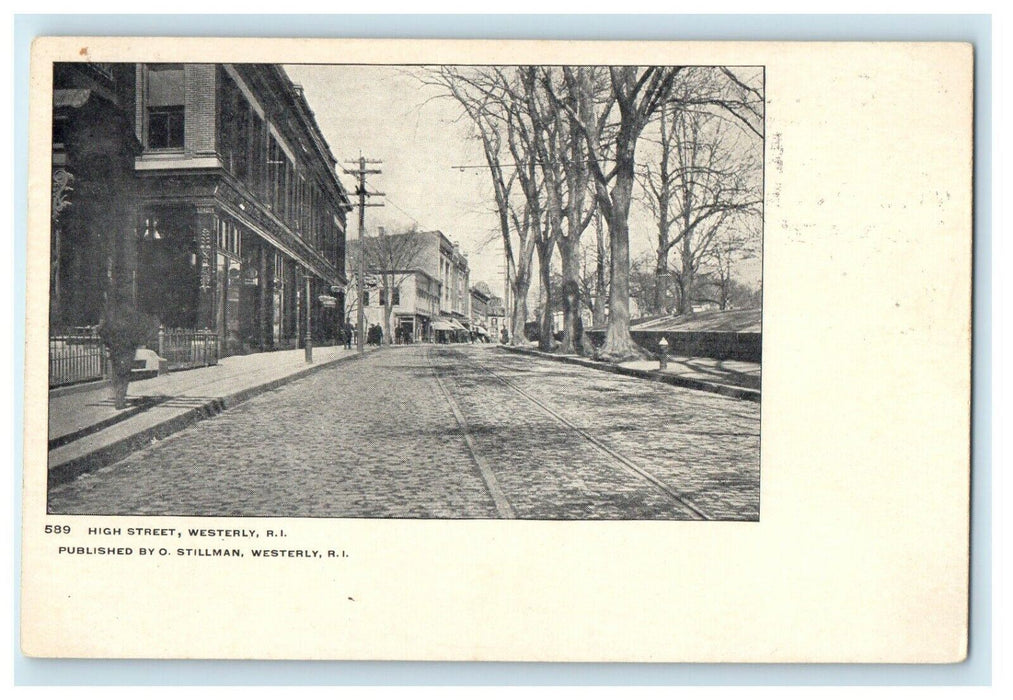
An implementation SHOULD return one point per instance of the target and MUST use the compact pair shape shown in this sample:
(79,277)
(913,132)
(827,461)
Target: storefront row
(418,328)
(201,269)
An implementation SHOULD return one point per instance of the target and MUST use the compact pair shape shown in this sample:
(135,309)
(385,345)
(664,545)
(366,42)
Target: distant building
(480,297)
(415,302)
(495,316)
(430,290)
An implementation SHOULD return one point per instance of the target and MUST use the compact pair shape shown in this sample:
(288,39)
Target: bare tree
(565,161)
(637,93)
(731,248)
(492,101)
(550,166)
(643,281)
(703,179)
(572,133)
(594,267)
(601,269)
(391,259)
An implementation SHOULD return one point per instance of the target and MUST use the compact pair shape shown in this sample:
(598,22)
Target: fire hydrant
(663,353)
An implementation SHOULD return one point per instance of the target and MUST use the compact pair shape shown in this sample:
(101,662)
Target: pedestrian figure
(504,336)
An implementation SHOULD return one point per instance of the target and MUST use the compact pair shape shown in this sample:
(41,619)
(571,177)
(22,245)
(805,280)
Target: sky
(386,113)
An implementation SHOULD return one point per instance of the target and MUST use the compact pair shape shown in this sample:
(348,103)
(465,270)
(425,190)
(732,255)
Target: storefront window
(232,335)
(279,298)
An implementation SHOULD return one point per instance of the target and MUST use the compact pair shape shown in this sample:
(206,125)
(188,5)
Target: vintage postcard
(474,350)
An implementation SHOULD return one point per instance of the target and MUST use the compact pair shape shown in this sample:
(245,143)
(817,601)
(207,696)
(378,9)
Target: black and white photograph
(406,291)
(451,350)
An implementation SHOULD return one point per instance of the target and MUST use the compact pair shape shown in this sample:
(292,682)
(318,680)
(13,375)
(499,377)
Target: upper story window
(165,127)
(164,102)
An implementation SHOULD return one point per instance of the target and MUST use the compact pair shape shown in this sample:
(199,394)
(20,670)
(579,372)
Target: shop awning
(447,324)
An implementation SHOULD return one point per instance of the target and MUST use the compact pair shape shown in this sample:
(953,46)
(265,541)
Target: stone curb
(142,405)
(104,456)
(732,392)
(78,388)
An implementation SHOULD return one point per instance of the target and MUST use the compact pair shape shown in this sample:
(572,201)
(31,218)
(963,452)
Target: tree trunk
(660,275)
(387,309)
(121,362)
(120,386)
(569,251)
(522,282)
(545,341)
(619,345)
(664,193)
(688,278)
(599,277)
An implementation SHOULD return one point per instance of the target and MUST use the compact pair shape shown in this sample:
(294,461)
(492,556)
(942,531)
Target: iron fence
(185,348)
(76,355)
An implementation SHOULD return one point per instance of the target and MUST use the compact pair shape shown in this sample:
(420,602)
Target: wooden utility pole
(361,191)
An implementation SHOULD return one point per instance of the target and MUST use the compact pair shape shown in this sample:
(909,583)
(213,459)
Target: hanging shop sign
(327,301)
(251,277)
(205,260)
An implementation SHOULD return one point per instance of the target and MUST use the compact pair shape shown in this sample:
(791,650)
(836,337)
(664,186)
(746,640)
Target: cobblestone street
(448,432)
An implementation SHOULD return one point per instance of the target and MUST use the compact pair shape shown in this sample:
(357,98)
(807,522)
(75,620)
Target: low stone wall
(719,345)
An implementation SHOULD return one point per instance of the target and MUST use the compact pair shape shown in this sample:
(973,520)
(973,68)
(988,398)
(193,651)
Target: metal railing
(185,348)
(76,355)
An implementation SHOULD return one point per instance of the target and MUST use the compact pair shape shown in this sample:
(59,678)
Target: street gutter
(727,390)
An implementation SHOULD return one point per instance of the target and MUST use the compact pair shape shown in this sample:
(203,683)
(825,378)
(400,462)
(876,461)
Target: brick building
(221,182)
(241,216)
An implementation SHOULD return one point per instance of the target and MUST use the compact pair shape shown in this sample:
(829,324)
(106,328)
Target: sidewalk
(705,369)
(732,378)
(86,432)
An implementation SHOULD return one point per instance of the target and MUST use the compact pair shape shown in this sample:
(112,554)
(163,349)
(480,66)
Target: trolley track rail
(503,507)
(626,463)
